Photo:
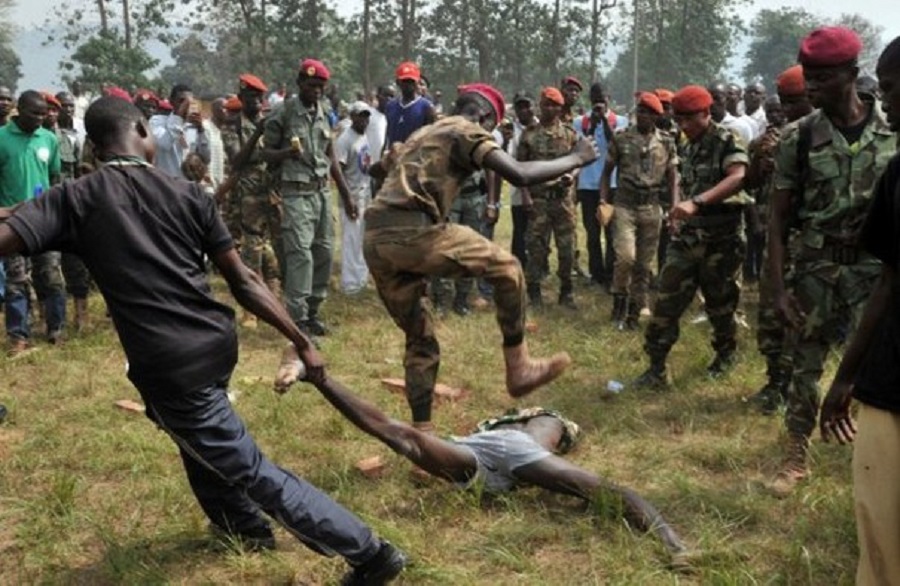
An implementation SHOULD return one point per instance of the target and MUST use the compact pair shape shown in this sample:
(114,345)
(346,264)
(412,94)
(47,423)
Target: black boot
(535,300)
(566,298)
(632,315)
(656,377)
(618,311)
(721,364)
(774,393)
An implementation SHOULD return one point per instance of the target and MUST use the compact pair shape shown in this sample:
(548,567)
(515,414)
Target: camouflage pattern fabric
(643,160)
(467,210)
(75,274)
(833,276)
(636,240)
(571,430)
(553,209)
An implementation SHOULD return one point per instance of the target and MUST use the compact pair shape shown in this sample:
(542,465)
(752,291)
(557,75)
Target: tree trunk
(556,41)
(104,18)
(367,46)
(595,33)
(126,22)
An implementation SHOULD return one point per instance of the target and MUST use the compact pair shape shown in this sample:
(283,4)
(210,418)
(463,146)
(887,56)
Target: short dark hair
(473,98)
(107,118)
(179,88)
(29,97)
(890,57)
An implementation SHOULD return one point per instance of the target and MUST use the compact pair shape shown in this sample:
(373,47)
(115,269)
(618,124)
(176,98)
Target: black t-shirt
(143,235)
(878,380)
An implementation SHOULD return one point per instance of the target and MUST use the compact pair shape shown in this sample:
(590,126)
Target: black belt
(313,184)
(378,218)
(637,198)
(715,220)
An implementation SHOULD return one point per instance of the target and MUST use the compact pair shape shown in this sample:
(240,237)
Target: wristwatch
(698,201)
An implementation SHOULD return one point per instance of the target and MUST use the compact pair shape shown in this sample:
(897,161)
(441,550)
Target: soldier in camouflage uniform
(551,203)
(648,174)
(708,247)
(468,210)
(793,104)
(825,169)
(299,152)
(251,193)
(407,240)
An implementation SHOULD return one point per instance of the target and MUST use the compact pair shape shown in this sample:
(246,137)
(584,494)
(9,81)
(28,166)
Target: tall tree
(775,37)
(10,64)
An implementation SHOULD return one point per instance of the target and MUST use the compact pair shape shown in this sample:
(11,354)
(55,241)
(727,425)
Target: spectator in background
(409,112)
(180,132)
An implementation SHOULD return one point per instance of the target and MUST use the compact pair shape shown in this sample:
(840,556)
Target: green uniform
(707,252)
(258,219)
(76,275)
(833,275)
(643,163)
(307,229)
(553,208)
(408,240)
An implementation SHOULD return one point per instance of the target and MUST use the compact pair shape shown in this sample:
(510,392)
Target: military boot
(632,315)
(618,311)
(524,374)
(656,377)
(774,393)
(535,301)
(794,469)
(567,298)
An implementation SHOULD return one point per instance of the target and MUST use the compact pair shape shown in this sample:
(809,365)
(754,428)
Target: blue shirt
(590,176)
(404,119)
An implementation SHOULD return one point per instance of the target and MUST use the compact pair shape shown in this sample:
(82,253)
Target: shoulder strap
(804,145)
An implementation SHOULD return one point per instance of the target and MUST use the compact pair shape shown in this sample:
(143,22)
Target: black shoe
(381,569)
(316,327)
(720,365)
(3,413)
(461,309)
(655,378)
(568,301)
(767,400)
(252,540)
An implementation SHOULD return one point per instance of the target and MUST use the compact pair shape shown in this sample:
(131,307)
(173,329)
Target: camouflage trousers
(43,272)
(403,252)
(77,276)
(707,259)
(833,298)
(259,224)
(465,211)
(636,239)
(771,335)
(550,217)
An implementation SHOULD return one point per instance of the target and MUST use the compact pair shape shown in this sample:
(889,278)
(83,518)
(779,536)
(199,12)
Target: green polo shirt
(27,161)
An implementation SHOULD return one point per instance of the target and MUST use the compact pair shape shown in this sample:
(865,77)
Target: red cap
(145,95)
(574,81)
(248,81)
(690,99)
(651,102)
(408,70)
(665,96)
(829,46)
(489,93)
(552,94)
(51,100)
(791,82)
(314,68)
(117,92)
(165,106)
(233,104)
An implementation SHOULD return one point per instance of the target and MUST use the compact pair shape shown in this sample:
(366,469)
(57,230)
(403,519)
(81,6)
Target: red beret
(145,95)
(51,100)
(829,46)
(571,79)
(408,70)
(665,96)
(251,82)
(690,99)
(553,94)
(489,93)
(233,104)
(165,106)
(790,82)
(117,92)
(651,102)
(314,68)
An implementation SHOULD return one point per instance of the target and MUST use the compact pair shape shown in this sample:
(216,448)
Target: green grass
(90,494)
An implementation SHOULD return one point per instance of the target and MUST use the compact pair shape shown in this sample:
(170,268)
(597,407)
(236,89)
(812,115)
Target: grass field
(90,494)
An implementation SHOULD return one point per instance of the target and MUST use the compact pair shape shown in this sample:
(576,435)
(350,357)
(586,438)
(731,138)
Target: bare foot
(290,370)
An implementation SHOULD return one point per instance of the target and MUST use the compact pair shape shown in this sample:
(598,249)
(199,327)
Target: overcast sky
(40,64)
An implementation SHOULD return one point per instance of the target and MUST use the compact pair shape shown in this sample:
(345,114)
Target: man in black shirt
(143,236)
(870,371)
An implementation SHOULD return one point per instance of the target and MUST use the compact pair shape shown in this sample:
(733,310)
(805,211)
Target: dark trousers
(233,481)
(598,240)
(520,225)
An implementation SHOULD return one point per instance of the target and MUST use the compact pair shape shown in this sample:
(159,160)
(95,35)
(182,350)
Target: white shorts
(499,453)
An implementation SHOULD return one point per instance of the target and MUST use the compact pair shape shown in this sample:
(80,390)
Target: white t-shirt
(740,127)
(352,151)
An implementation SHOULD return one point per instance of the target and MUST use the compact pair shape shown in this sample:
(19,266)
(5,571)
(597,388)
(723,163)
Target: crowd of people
(683,198)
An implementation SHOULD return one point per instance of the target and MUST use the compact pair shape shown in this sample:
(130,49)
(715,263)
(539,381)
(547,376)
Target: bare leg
(559,475)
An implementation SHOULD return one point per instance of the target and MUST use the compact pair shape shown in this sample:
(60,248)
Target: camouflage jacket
(545,143)
(252,175)
(643,160)
(704,162)
(762,150)
(833,195)
(429,168)
(69,153)
(291,119)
